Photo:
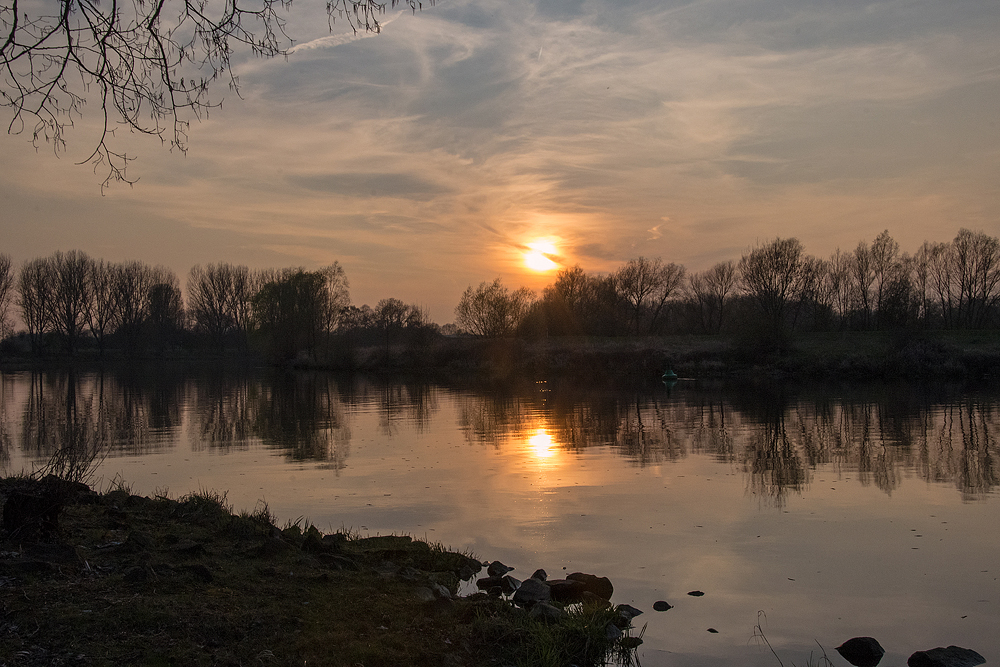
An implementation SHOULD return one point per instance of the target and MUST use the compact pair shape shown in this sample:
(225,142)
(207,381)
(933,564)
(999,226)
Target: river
(811,514)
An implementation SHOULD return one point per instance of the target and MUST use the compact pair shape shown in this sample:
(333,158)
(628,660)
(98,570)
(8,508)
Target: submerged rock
(862,651)
(953,656)
(662,605)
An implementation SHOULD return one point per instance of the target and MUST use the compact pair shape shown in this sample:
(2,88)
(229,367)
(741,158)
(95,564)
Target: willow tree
(297,309)
(6,293)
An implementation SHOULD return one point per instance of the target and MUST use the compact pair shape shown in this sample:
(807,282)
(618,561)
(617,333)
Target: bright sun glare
(538,254)
(541,444)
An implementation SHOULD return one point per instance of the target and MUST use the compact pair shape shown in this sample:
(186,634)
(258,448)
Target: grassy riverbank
(857,356)
(860,356)
(119,579)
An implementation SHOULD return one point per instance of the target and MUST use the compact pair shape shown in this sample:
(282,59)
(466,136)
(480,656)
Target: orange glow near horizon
(539,256)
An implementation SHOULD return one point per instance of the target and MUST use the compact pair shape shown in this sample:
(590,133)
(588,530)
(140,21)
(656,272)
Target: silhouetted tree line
(69,300)
(773,289)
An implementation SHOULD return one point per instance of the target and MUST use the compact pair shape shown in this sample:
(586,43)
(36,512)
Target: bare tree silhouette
(149,65)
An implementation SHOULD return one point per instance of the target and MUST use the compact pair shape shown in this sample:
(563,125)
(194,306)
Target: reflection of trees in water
(142,409)
(646,432)
(972,466)
(873,438)
(6,399)
(82,417)
(304,415)
(299,414)
(398,403)
(493,418)
(638,429)
(225,409)
(778,439)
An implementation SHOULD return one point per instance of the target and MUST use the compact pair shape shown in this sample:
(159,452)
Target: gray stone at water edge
(862,651)
(509,584)
(953,656)
(627,612)
(530,592)
(600,586)
(497,569)
(566,590)
(440,591)
(539,574)
(546,613)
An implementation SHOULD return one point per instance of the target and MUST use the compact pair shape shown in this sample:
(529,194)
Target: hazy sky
(426,158)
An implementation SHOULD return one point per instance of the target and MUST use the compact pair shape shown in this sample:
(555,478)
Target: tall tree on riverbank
(33,299)
(772,276)
(492,310)
(102,316)
(71,297)
(978,267)
(6,294)
(220,301)
(297,309)
(711,291)
(647,285)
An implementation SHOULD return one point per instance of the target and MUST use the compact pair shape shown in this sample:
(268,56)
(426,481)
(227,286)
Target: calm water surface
(836,512)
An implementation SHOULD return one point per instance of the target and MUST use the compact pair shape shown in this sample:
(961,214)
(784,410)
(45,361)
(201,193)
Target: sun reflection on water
(541,444)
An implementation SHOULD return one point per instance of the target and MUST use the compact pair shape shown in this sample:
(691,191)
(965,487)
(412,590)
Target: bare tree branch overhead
(148,65)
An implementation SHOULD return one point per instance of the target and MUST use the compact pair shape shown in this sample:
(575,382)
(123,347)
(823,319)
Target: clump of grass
(582,638)
(760,637)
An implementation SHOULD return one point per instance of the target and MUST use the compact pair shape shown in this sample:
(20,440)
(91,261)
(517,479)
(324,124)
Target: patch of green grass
(582,639)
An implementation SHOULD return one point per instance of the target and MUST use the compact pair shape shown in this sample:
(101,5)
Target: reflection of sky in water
(662,496)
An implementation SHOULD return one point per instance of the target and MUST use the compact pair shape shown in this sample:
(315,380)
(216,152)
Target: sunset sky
(429,157)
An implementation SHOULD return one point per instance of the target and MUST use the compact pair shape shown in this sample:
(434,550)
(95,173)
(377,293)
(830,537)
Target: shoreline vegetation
(875,312)
(966,356)
(114,578)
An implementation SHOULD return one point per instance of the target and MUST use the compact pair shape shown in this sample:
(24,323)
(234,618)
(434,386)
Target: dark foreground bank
(120,579)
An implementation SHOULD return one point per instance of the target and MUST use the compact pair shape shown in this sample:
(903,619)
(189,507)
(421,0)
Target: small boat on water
(669,374)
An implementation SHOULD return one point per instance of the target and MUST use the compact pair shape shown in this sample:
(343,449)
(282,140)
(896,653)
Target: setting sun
(538,256)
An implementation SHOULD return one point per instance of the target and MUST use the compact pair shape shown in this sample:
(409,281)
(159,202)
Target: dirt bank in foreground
(119,579)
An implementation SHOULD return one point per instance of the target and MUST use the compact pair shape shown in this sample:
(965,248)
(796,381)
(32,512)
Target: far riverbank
(972,356)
